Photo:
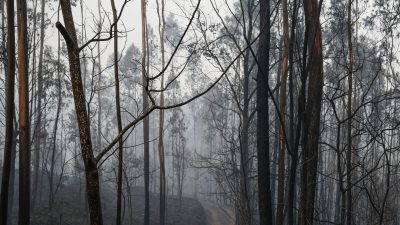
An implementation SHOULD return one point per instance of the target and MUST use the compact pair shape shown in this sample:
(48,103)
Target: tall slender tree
(9,131)
(282,110)
(294,148)
(311,130)
(90,163)
(56,121)
(119,120)
(263,162)
(38,124)
(349,199)
(247,28)
(146,124)
(161,155)
(99,80)
(24,127)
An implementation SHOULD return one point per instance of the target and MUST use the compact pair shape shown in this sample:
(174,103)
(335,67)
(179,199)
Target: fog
(199,112)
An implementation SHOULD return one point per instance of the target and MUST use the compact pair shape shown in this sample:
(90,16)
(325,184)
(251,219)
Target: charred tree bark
(245,213)
(263,163)
(312,113)
(293,147)
(91,170)
(9,117)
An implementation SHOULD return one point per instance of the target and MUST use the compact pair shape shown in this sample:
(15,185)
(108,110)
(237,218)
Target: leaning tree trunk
(9,117)
(91,170)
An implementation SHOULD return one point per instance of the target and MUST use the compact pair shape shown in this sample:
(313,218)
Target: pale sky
(130,20)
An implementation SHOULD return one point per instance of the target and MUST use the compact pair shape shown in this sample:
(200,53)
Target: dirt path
(217,215)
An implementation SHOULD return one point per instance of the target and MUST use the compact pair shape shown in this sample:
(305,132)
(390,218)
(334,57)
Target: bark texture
(24,128)
(91,171)
(263,165)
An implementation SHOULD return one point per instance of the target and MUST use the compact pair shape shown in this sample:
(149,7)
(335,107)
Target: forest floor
(217,215)
(71,208)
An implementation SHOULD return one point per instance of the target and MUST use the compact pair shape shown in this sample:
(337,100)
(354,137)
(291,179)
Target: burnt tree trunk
(263,163)
(294,149)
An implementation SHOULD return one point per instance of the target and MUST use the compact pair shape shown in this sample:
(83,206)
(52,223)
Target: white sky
(130,20)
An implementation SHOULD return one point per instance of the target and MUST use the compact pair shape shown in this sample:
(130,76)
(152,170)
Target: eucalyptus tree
(39,132)
(119,119)
(161,150)
(238,30)
(23,103)
(90,161)
(314,72)
(178,149)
